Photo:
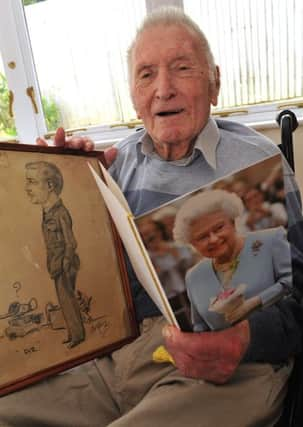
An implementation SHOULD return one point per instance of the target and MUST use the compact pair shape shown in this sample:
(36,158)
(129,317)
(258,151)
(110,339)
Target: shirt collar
(206,142)
(53,207)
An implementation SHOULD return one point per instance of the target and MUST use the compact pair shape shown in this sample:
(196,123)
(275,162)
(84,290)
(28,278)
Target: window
(19,71)
(79,50)
(70,58)
(7,124)
(258,44)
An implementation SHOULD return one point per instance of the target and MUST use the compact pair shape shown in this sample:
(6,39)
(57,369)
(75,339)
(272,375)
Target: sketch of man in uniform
(44,183)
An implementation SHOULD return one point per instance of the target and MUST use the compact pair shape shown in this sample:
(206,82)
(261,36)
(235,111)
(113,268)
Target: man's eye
(202,238)
(183,68)
(219,227)
(145,75)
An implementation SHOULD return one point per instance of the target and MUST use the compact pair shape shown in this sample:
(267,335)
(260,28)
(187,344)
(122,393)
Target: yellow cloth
(161,355)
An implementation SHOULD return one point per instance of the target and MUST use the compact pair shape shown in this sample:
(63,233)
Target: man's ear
(134,104)
(215,87)
(50,185)
(137,113)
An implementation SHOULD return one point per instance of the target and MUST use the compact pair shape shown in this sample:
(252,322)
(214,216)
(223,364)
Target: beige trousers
(128,389)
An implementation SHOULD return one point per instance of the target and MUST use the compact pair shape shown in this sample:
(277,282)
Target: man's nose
(165,88)
(212,237)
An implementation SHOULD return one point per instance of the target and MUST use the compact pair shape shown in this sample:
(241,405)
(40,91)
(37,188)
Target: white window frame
(15,46)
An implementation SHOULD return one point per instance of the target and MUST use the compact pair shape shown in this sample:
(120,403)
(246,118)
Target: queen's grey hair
(166,16)
(205,203)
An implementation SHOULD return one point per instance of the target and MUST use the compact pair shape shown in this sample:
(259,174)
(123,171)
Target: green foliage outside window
(52,113)
(7,127)
(27,2)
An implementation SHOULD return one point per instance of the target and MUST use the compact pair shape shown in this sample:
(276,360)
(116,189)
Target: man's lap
(128,389)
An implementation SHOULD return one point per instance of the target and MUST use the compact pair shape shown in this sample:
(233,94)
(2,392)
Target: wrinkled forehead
(166,42)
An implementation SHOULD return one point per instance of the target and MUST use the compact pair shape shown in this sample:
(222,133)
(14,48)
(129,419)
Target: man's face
(36,187)
(253,199)
(150,234)
(170,84)
(213,235)
(168,223)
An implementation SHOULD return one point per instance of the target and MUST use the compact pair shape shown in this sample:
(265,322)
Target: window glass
(7,124)
(258,45)
(79,50)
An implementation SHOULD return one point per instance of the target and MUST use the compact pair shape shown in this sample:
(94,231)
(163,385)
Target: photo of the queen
(239,271)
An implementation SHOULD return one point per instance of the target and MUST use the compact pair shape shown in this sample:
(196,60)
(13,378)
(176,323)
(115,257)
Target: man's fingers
(110,155)
(170,332)
(212,355)
(59,139)
(79,143)
(206,344)
(76,142)
(88,145)
(174,338)
(41,142)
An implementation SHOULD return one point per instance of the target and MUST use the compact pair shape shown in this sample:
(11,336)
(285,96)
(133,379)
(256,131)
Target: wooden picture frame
(64,293)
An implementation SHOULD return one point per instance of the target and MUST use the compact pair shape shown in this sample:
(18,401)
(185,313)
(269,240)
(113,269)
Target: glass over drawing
(63,291)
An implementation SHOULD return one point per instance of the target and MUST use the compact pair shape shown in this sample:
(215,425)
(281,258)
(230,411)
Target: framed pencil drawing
(64,295)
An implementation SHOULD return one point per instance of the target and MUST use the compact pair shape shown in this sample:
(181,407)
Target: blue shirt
(264,267)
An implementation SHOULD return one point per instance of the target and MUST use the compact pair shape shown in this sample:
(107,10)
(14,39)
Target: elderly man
(234,377)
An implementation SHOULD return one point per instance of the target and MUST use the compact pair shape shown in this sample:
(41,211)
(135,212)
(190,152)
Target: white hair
(171,15)
(202,204)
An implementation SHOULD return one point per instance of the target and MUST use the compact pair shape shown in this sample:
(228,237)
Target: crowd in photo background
(264,201)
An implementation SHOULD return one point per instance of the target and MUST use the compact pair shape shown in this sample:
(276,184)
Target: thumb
(176,341)
(170,333)
(59,139)
(110,155)
(41,142)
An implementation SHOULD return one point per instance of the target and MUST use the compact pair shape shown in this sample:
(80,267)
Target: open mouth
(214,248)
(169,113)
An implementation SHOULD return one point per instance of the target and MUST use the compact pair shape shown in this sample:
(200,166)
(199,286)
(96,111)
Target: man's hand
(211,356)
(78,143)
(75,142)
